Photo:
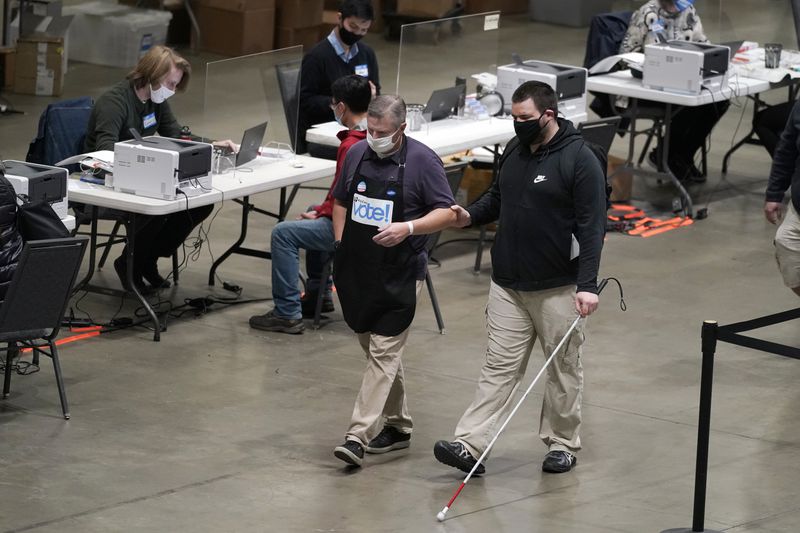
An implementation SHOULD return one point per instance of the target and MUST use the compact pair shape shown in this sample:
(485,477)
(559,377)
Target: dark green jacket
(119,110)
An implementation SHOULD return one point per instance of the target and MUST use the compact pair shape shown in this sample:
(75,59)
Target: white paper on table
(103,158)
(605,65)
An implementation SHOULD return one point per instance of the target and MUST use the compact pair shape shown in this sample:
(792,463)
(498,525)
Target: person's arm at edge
(590,213)
(782,171)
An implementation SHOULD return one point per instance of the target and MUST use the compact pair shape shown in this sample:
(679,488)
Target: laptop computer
(251,142)
(443,101)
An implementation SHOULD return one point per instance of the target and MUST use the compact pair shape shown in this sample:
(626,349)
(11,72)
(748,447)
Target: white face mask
(160,94)
(382,145)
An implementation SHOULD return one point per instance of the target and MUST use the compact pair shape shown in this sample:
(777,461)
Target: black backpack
(595,148)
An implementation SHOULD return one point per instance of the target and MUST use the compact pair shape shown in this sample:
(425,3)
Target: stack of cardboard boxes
(236,27)
(299,23)
(39,63)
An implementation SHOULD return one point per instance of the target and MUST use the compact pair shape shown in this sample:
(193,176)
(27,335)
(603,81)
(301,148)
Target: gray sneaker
(273,322)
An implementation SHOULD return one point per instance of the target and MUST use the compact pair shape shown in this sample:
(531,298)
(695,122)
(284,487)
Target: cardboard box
(474,183)
(45,8)
(8,58)
(425,8)
(300,13)
(236,27)
(39,67)
(621,182)
(574,13)
(307,37)
(506,7)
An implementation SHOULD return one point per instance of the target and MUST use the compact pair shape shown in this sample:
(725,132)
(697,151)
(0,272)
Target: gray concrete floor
(222,428)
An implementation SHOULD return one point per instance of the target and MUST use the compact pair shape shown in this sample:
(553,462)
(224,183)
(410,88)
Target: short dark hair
(354,91)
(543,96)
(357,8)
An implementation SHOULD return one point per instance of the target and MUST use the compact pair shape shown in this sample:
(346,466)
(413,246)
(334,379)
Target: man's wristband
(410,228)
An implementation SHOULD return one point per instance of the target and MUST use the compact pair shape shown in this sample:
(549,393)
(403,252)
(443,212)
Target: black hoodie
(542,199)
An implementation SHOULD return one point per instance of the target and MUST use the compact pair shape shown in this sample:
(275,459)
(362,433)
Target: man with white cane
(550,199)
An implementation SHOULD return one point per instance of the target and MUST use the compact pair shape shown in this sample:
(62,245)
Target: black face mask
(348,38)
(529,132)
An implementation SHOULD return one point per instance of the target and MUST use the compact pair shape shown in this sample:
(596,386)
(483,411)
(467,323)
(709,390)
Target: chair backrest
(61,132)
(606,32)
(289,84)
(601,132)
(454,173)
(40,289)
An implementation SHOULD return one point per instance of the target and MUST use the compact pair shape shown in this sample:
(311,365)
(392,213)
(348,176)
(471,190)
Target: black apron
(376,285)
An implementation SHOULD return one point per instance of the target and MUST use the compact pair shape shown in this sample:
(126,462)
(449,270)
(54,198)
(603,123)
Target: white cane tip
(440,516)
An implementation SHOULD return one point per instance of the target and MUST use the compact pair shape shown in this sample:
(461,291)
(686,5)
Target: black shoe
(151,275)
(456,455)
(308,304)
(558,462)
(272,322)
(121,268)
(652,158)
(351,452)
(390,438)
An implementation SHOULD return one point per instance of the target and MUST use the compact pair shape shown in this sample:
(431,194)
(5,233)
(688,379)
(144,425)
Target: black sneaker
(151,275)
(121,268)
(558,462)
(456,455)
(272,322)
(350,452)
(308,304)
(390,438)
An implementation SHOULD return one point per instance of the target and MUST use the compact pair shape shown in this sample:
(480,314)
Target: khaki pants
(382,397)
(515,320)
(787,248)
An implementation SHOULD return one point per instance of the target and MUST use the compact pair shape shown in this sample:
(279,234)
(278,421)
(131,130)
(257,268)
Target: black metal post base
(690,530)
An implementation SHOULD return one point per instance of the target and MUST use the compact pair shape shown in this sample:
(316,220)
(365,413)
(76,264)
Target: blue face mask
(337,118)
(683,4)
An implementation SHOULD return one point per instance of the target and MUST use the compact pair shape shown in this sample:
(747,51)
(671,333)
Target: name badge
(149,120)
(371,211)
(362,70)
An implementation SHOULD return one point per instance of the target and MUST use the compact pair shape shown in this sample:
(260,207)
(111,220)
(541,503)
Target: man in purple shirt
(392,193)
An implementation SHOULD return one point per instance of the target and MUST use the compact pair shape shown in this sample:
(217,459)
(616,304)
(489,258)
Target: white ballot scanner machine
(685,67)
(568,82)
(160,167)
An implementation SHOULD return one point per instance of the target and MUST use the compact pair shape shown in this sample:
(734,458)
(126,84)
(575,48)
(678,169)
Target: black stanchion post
(709,345)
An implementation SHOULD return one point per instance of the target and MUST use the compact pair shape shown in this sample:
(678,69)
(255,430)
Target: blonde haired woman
(140,103)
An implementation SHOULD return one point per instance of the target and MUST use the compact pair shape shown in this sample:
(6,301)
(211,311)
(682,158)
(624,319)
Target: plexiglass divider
(444,51)
(246,91)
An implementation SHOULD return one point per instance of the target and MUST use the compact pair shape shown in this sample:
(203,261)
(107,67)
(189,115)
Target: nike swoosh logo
(539,179)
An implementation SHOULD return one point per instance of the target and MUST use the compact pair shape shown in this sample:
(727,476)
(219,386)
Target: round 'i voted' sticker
(361,187)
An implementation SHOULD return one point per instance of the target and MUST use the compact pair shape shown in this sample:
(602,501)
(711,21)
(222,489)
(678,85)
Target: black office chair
(600,132)
(31,314)
(289,84)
